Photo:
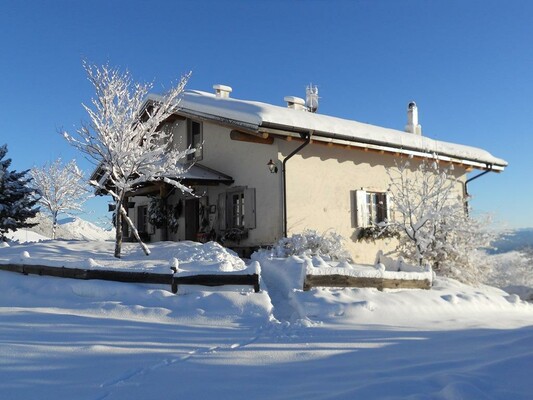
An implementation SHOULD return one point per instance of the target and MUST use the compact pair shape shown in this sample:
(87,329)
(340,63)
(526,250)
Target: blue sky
(467,64)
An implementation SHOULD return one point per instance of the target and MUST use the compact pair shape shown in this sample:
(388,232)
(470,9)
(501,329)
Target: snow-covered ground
(62,338)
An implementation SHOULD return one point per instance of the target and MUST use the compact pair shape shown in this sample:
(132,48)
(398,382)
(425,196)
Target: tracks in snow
(131,374)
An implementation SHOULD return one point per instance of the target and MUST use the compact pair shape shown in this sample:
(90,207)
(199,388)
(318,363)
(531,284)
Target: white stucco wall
(320,185)
(246,163)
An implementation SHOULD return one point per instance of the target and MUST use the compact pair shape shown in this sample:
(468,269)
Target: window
(236,209)
(377,207)
(195,140)
(371,208)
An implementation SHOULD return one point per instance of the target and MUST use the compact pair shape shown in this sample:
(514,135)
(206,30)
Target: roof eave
(327,137)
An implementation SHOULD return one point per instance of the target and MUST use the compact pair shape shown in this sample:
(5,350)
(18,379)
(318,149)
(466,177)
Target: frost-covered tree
(17,198)
(431,219)
(124,139)
(62,189)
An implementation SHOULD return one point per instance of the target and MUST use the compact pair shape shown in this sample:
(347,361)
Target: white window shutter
(388,199)
(361,214)
(249,208)
(222,211)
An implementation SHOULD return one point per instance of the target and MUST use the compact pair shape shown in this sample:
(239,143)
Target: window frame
(242,200)
(198,154)
(236,209)
(368,210)
(377,208)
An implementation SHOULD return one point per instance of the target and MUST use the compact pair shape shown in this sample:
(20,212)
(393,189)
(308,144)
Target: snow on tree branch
(124,137)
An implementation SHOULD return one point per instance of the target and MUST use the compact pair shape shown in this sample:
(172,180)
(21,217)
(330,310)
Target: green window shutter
(222,211)
(249,208)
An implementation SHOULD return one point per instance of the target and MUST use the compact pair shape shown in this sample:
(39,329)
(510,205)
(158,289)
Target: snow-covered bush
(329,245)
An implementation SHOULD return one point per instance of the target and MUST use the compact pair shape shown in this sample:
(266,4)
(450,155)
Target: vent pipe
(295,103)
(412,119)
(222,91)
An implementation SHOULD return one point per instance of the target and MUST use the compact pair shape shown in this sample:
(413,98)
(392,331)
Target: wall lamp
(272,167)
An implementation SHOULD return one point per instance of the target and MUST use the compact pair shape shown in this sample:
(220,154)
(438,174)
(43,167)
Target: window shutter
(249,208)
(222,211)
(361,213)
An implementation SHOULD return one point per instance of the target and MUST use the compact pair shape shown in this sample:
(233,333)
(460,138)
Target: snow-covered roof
(257,116)
(197,172)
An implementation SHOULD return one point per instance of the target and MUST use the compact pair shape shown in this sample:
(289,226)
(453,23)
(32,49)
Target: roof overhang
(200,174)
(195,174)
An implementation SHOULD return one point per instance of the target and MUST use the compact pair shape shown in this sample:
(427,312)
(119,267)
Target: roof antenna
(311,98)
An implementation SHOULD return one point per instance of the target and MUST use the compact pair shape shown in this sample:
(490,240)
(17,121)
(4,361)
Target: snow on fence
(337,280)
(386,274)
(210,280)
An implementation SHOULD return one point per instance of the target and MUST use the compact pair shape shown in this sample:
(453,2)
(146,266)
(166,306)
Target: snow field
(65,338)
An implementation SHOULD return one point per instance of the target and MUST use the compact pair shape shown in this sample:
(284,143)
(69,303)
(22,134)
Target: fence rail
(336,280)
(211,280)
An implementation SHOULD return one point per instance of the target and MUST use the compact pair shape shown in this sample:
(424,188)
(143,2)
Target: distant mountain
(80,229)
(518,239)
(72,228)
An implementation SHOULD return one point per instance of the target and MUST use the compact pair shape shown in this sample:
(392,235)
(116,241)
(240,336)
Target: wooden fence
(336,280)
(211,280)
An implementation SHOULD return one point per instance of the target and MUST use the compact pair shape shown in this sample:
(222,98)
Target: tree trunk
(134,231)
(163,199)
(118,228)
(54,225)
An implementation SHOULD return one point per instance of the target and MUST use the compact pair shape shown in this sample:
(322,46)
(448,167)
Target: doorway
(192,211)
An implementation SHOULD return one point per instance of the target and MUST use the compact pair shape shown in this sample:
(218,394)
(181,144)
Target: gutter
(466,194)
(307,137)
(489,169)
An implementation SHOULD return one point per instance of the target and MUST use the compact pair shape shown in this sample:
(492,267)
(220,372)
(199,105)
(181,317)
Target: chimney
(412,119)
(222,91)
(296,103)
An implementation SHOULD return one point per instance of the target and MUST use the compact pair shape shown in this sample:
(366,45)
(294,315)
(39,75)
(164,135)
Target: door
(192,211)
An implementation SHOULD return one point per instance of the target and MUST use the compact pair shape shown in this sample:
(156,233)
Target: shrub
(310,243)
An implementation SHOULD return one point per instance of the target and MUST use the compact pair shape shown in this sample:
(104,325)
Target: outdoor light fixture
(272,167)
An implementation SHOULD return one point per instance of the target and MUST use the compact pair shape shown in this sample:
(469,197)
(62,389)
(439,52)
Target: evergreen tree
(17,198)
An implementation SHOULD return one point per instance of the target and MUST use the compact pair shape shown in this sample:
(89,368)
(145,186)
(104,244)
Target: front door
(192,211)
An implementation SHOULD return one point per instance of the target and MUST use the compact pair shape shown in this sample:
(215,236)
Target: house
(263,171)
